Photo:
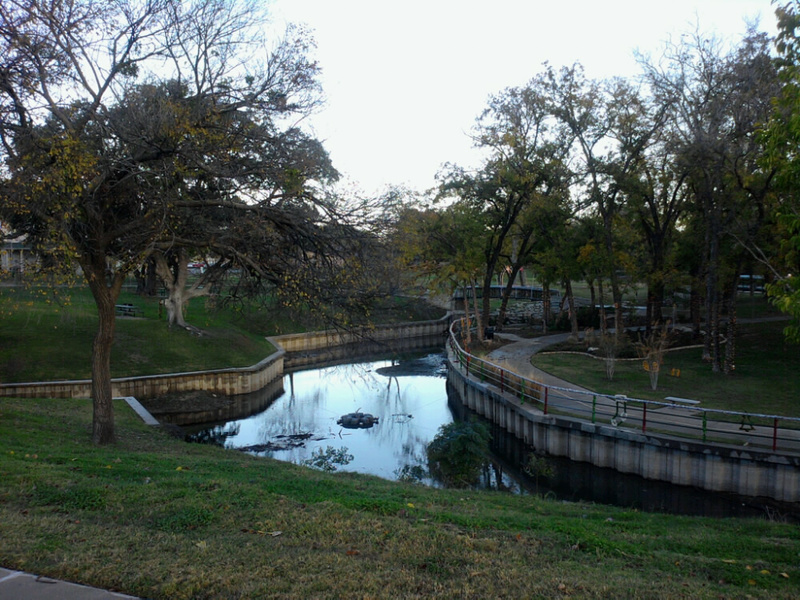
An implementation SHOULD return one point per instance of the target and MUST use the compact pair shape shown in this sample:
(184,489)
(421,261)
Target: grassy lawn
(766,380)
(158,518)
(45,337)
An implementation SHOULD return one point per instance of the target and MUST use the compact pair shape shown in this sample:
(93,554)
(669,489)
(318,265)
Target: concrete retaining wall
(711,467)
(229,382)
(223,381)
(321,340)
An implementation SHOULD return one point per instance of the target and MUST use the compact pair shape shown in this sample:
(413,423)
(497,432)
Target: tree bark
(105,295)
(478,315)
(602,298)
(729,365)
(695,301)
(175,277)
(573,314)
(501,317)
(546,306)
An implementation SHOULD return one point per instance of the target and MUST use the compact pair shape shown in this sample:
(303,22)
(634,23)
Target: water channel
(297,418)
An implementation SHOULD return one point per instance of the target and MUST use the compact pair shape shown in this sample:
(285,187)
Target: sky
(405,80)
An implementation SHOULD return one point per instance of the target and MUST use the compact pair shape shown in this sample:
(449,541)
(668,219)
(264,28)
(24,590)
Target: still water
(409,397)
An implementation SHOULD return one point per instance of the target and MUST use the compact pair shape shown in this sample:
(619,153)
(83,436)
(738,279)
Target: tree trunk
(174,303)
(478,316)
(105,296)
(175,277)
(467,333)
(501,317)
(730,348)
(711,347)
(602,298)
(655,300)
(146,278)
(546,306)
(695,301)
(486,302)
(573,314)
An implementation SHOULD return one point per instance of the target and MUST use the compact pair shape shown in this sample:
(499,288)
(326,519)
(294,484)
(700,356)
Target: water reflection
(410,397)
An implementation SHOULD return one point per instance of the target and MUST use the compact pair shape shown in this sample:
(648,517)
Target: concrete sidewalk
(516,357)
(16,585)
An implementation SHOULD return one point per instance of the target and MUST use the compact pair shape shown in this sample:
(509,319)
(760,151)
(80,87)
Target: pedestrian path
(515,356)
(16,585)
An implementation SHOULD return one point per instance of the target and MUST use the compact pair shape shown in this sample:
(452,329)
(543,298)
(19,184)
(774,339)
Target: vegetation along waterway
(296,421)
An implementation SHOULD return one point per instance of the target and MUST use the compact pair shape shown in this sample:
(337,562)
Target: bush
(457,453)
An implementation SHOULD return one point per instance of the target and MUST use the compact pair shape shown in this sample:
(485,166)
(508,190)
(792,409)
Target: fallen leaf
(728,561)
(785,575)
(751,581)
(353,553)
(275,533)
(764,572)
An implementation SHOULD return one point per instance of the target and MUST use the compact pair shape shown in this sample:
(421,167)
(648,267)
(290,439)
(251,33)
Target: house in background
(15,254)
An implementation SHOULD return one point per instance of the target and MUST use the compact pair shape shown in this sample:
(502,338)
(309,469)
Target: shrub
(458,451)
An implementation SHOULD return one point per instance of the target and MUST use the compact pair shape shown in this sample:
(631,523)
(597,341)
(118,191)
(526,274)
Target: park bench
(128,310)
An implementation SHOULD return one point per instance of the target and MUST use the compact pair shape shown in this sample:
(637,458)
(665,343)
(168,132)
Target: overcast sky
(405,80)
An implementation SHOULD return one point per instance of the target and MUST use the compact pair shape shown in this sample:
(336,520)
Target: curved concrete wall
(710,467)
(231,381)
(222,381)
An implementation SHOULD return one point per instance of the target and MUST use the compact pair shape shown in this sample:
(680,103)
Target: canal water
(409,397)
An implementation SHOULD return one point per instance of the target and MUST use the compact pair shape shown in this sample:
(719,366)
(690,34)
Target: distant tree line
(682,178)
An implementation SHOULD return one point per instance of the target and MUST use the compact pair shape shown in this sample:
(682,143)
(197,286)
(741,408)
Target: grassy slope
(155,517)
(158,518)
(44,338)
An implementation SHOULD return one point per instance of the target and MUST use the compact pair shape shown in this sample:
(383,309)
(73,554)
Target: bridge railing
(672,416)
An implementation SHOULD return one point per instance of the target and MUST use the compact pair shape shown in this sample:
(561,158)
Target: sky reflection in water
(409,398)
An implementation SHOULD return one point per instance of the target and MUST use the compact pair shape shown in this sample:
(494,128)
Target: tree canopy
(136,129)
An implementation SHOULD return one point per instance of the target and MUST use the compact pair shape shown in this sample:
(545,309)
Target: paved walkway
(516,357)
(16,585)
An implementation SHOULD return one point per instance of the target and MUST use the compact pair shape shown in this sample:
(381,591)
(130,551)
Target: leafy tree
(522,183)
(717,99)
(782,137)
(120,121)
(444,248)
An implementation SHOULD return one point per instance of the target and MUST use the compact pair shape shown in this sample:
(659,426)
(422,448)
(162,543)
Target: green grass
(45,337)
(766,379)
(158,518)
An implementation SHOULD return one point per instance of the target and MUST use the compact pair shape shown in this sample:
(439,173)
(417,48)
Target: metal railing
(673,416)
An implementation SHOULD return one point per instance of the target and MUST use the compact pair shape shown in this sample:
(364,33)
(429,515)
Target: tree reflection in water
(410,398)
(407,395)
